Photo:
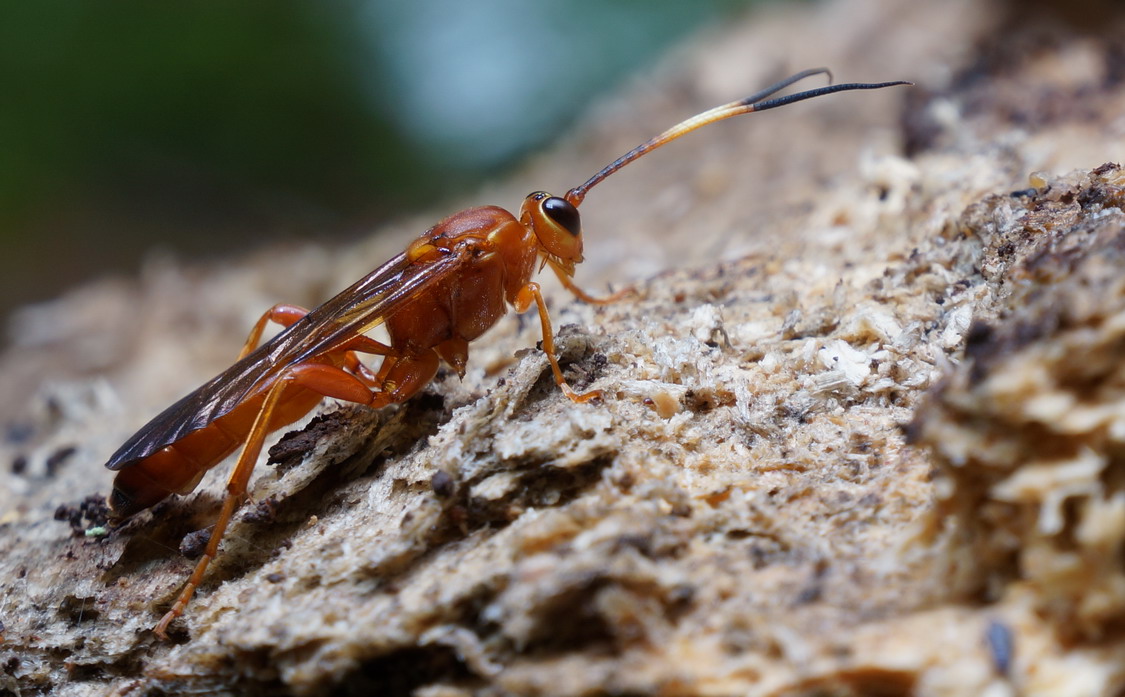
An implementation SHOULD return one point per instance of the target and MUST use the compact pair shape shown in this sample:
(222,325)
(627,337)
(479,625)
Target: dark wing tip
(120,460)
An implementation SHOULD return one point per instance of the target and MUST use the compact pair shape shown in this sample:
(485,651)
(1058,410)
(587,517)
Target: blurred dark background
(205,128)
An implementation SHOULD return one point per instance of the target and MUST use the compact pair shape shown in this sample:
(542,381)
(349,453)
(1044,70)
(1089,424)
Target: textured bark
(742,514)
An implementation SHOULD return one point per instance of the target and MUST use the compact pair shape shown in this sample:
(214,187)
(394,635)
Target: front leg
(582,295)
(531,293)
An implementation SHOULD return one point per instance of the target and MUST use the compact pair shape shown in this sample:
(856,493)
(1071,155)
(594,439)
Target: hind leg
(285,315)
(326,380)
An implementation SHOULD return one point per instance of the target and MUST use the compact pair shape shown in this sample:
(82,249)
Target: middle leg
(527,295)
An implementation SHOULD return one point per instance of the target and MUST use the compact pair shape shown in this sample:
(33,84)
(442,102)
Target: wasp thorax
(556,224)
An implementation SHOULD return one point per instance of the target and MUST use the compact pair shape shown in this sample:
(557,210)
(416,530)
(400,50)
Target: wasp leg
(585,297)
(531,293)
(359,369)
(326,380)
(454,352)
(365,344)
(285,315)
(401,377)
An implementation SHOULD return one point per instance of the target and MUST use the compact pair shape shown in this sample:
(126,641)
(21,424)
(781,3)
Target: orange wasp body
(449,286)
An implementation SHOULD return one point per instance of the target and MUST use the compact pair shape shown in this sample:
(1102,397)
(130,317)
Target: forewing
(359,308)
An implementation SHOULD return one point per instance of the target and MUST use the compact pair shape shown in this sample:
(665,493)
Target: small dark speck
(979,335)
(264,511)
(809,594)
(1023,193)
(57,458)
(275,577)
(13,662)
(19,464)
(194,543)
(1001,645)
(870,500)
(681,594)
(442,484)
(625,481)
(18,433)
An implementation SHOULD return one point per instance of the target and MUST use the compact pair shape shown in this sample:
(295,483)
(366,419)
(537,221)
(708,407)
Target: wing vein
(359,308)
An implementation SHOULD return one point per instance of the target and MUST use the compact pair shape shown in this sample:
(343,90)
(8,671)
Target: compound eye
(564,214)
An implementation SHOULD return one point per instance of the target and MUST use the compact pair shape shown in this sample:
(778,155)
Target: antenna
(755,102)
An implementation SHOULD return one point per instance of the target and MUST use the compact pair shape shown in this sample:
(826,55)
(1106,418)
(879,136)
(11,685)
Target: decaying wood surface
(743,514)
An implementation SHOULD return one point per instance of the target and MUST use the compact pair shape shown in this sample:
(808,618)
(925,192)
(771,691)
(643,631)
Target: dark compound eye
(564,214)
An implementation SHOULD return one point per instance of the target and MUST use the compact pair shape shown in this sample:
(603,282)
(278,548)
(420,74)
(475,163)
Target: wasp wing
(357,309)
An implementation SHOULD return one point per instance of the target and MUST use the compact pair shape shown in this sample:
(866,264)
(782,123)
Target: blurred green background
(205,128)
